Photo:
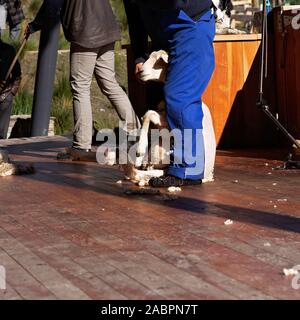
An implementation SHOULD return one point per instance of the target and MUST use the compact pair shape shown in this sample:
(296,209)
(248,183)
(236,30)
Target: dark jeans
(5,112)
(154,94)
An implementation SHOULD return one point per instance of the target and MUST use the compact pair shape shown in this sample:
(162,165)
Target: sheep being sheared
(150,160)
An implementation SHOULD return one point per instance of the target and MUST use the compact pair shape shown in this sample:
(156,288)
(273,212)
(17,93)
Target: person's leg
(82,65)
(15,32)
(190,69)
(105,75)
(5,112)
(191,65)
(154,94)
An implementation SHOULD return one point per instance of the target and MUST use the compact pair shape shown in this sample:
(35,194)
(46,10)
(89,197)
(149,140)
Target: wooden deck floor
(70,232)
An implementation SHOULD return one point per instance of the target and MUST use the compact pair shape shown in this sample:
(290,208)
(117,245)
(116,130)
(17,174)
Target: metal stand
(45,79)
(262,104)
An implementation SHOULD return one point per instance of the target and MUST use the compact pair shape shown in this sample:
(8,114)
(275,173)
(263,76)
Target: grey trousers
(84,64)
(5,112)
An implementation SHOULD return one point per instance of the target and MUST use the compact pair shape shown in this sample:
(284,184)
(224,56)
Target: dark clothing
(15,13)
(137,31)
(7,54)
(48,14)
(90,24)
(5,112)
(145,19)
(144,22)
(192,8)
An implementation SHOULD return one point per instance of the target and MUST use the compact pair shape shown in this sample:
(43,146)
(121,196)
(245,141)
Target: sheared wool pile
(8,169)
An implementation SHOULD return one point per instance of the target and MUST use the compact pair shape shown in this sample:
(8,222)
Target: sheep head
(155,68)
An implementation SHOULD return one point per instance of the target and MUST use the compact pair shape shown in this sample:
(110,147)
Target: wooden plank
(9,294)
(23,283)
(152,280)
(108,245)
(60,287)
(194,263)
(127,282)
(99,248)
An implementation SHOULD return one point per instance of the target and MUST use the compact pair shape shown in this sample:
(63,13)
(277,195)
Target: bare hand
(138,67)
(138,70)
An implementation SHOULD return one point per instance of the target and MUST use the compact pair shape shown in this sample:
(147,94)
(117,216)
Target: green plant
(62,104)
(31,7)
(63,117)
(23,102)
(62,89)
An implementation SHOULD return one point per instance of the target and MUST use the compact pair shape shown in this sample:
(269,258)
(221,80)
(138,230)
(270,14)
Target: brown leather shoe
(75,154)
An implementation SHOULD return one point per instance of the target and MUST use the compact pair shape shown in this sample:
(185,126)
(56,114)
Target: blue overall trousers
(191,64)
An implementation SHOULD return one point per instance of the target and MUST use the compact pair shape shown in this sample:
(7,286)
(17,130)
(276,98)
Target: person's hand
(138,70)
(2,86)
(27,32)
(138,67)
(15,86)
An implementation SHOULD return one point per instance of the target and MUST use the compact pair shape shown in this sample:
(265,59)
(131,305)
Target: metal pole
(44,82)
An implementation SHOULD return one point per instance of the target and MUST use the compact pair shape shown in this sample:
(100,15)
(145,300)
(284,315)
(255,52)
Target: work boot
(77,154)
(171,181)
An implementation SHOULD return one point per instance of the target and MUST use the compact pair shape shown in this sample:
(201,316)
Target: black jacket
(88,23)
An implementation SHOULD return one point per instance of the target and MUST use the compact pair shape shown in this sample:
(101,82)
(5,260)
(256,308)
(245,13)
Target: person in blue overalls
(190,29)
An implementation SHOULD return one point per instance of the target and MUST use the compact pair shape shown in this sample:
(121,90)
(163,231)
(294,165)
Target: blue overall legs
(191,64)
